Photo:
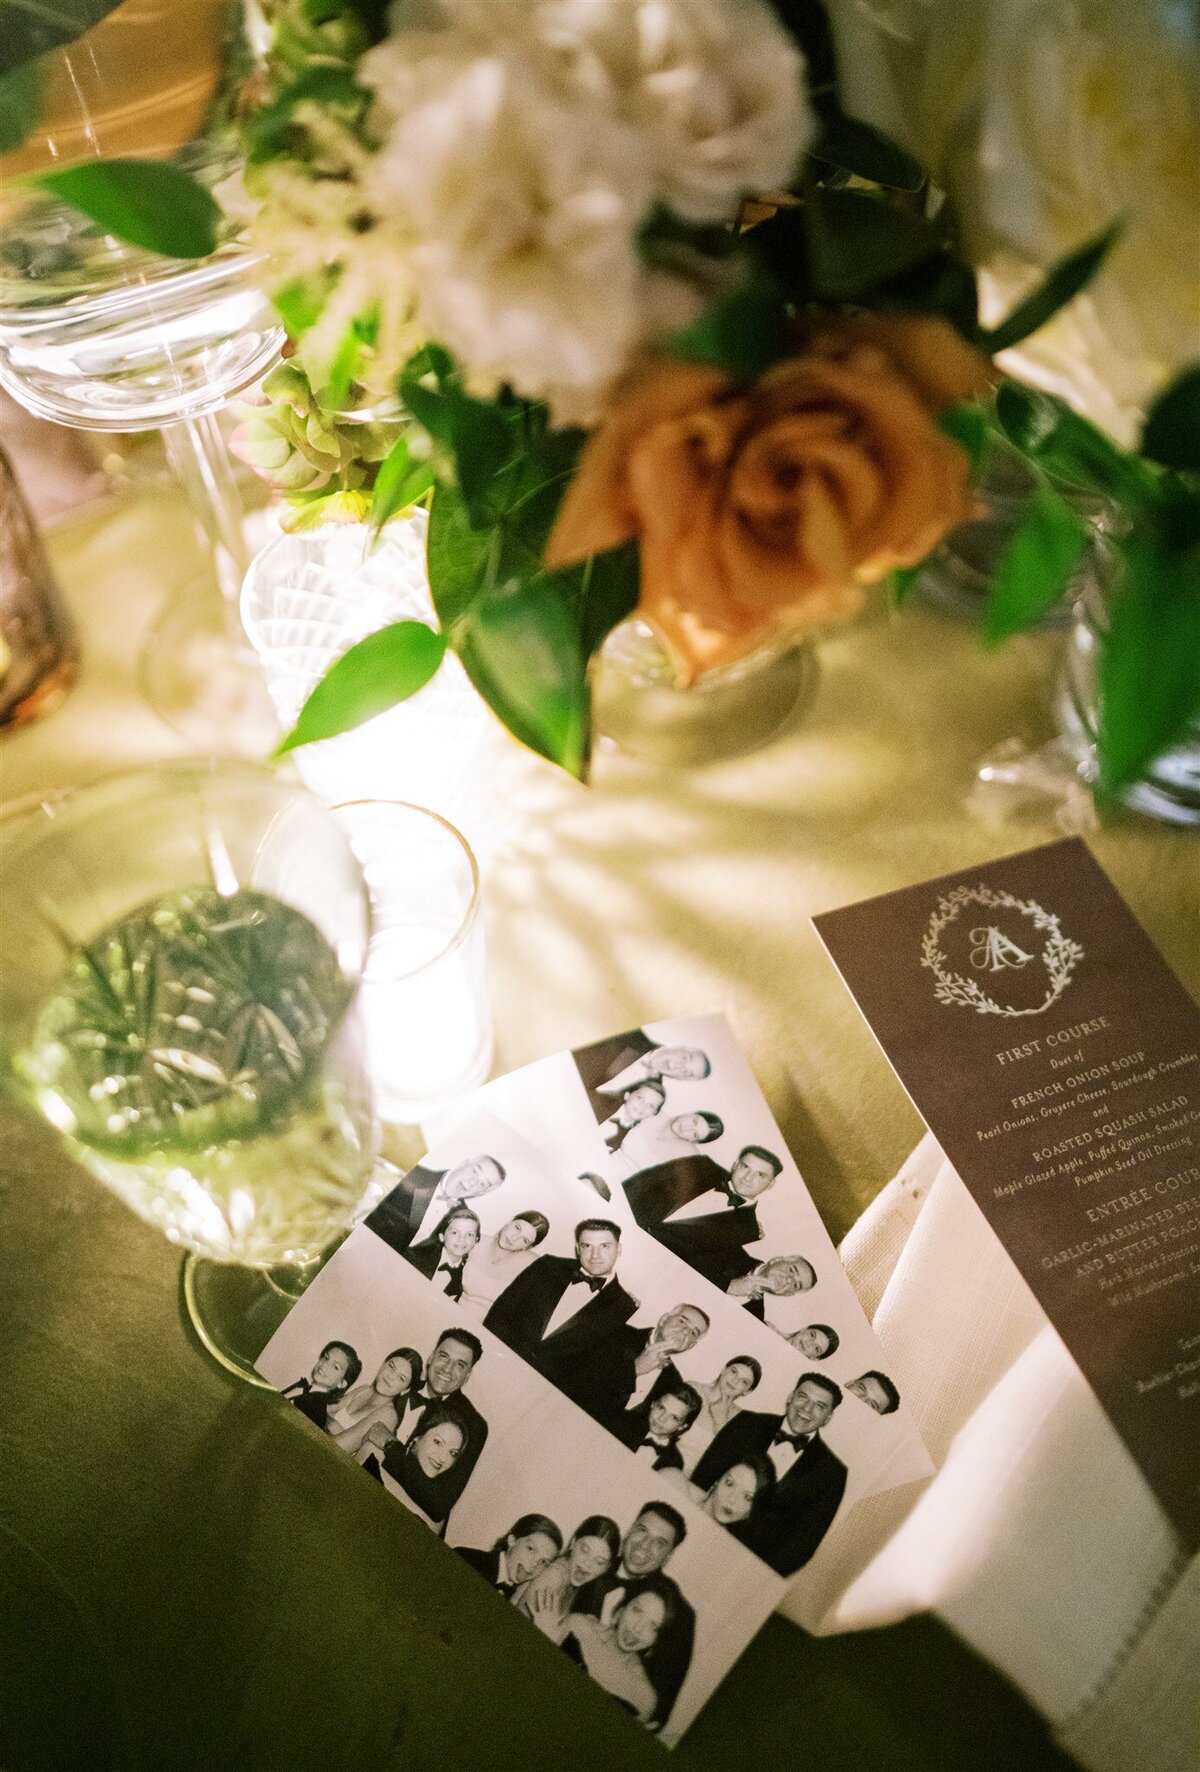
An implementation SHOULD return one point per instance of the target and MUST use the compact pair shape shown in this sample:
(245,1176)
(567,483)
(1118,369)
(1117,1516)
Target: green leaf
(521,648)
(28,28)
(269,130)
(382,670)
(145,202)
(399,483)
(1035,567)
(609,587)
(1028,418)
(457,555)
(1172,433)
(1061,286)
(480,436)
(743,334)
(301,303)
(968,426)
(867,153)
(333,396)
(20,104)
(1149,675)
(1072,449)
(856,242)
(904,580)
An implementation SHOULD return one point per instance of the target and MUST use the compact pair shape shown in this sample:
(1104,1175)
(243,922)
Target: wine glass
(101,335)
(179,991)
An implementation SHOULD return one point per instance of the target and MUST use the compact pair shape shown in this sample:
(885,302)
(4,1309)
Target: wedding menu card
(1056,1059)
(599,1341)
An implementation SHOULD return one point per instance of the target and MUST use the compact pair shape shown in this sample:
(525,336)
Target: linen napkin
(1038,1540)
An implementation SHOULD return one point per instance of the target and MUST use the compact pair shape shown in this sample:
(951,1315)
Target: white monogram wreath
(1060,955)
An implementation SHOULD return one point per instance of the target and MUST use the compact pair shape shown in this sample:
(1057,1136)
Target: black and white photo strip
(669,1130)
(639,1570)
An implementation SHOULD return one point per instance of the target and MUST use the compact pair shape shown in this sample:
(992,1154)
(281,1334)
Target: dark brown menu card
(1056,1059)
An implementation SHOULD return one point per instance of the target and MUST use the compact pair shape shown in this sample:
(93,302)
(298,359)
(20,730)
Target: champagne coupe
(179,991)
(103,336)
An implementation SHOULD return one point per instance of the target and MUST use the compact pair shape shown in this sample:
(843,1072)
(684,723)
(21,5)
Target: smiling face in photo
(667,1415)
(732,1495)
(331,1369)
(680,1328)
(438,1448)
(809,1407)
(528,1556)
(459,1238)
(394,1376)
(647,1544)
(737,1379)
(639,1622)
(587,1558)
(682,1063)
(467,1180)
(449,1367)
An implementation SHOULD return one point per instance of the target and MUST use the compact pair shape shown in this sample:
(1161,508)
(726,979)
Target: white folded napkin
(1038,1540)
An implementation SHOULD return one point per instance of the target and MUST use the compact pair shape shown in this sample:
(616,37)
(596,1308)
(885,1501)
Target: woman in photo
(732,1499)
(337,1368)
(384,1401)
(495,1261)
(658,1140)
(719,1401)
(435,1448)
(443,1256)
(593,1550)
(614,1654)
(519,1556)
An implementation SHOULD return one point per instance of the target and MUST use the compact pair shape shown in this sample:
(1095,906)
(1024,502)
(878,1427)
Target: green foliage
(400,482)
(381,671)
(856,242)
(1149,675)
(149,204)
(28,28)
(272,131)
(1059,287)
(903,583)
(1172,433)
(743,335)
(968,425)
(20,104)
(1044,550)
(865,152)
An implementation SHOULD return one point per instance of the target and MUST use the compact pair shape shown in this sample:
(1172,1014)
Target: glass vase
(1170,788)
(638,707)
(38,656)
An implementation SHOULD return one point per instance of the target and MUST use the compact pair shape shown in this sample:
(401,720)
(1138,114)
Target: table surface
(192,1576)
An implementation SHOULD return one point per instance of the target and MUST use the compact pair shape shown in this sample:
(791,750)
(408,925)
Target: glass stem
(200,460)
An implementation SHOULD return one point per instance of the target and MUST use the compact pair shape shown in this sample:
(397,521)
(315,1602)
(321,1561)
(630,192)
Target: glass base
(236,1310)
(727,713)
(202,679)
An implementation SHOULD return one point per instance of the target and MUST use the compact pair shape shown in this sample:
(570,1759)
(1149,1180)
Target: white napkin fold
(1038,1540)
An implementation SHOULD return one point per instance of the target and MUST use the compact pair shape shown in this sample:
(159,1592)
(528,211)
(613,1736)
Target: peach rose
(766,509)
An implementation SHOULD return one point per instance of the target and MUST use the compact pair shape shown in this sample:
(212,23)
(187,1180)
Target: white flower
(1046,120)
(522,215)
(715,87)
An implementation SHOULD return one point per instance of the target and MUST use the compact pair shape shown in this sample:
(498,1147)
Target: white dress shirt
(784,1453)
(711,1200)
(574,1298)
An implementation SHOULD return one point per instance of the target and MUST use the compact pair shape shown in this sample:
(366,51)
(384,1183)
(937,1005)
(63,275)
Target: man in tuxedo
(399,1215)
(703,1213)
(646,1549)
(640,1103)
(456,1353)
(790,1520)
(781,1276)
(610,1067)
(530,1545)
(564,1317)
(877,1391)
(442,1257)
(669,1415)
(648,1366)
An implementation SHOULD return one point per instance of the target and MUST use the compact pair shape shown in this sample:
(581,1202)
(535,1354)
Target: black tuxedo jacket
(426,1256)
(487,1564)
(667,1663)
(437,1495)
(583,1356)
(315,1404)
(715,1243)
(630,1425)
(607,1059)
(790,1520)
(397,1218)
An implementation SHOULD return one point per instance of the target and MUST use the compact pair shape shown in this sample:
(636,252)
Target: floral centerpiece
(711,309)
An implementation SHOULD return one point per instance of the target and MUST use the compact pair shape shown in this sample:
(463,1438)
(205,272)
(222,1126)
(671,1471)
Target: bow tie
(579,1278)
(454,1286)
(799,1441)
(506,1589)
(655,1440)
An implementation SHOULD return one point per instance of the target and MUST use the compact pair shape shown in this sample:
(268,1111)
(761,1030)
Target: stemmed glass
(100,335)
(183,949)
